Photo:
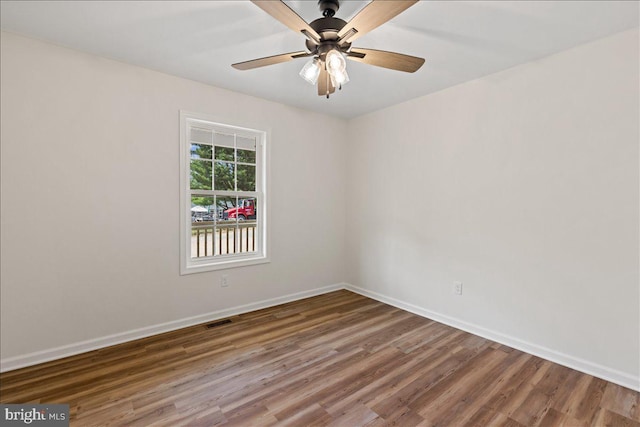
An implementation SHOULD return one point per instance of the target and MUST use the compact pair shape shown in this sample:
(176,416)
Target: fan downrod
(328,7)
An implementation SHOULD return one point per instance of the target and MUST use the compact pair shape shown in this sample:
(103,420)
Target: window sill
(204,266)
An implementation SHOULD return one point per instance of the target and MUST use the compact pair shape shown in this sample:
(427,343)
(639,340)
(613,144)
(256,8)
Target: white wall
(90,198)
(524,186)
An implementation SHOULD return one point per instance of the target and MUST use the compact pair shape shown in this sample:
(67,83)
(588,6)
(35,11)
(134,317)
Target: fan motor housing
(327,28)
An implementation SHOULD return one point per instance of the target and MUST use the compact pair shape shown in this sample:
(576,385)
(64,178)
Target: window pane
(237,231)
(247,226)
(226,225)
(224,176)
(224,153)
(246,143)
(226,207)
(248,208)
(201,135)
(224,140)
(246,156)
(202,209)
(202,226)
(201,174)
(246,178)
(199,151)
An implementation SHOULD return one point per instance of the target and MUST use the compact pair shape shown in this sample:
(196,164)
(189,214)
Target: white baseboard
(621,378)
(9,364)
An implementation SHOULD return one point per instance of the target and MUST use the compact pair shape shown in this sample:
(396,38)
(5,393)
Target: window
(223,197)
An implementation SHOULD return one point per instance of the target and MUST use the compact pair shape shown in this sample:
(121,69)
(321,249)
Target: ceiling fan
(329,42)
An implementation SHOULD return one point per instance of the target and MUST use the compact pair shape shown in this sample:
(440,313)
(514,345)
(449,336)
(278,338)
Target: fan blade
(283,13)
(269,60)
(372,16)
(382,58)
(325,87)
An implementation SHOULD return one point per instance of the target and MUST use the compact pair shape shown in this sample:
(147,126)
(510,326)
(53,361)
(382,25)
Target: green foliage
(224,153)
(224,175)
(217,162)
(201,151)
(246,156)
(201,174)
(246,178)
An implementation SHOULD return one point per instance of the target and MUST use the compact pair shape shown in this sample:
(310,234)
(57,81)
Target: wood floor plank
(519,387)
(430,400)
(337,359)
(554,418)
(311,415)
(588,398)
(621,401)
(488,386)
(414,385)
(606,418)
(484,416)
(533,409)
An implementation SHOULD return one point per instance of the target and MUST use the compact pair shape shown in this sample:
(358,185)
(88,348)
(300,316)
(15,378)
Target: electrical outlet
(224,281)
(457,288)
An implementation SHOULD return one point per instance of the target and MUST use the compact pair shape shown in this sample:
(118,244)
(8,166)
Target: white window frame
(190,265)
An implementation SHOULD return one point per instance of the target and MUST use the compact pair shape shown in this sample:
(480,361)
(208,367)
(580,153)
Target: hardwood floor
(337,359)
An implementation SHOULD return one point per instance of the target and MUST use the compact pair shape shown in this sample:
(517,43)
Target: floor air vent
(218,323)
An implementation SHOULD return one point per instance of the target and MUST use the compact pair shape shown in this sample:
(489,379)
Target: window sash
(189,124)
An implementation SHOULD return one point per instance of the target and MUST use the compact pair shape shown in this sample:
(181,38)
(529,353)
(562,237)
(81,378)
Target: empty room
(345,213)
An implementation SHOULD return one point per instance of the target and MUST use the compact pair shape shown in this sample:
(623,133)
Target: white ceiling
(199,40)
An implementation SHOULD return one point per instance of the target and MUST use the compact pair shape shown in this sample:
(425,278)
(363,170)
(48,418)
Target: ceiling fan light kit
(336,68)
(335,61)
(311,71)
(329,42)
